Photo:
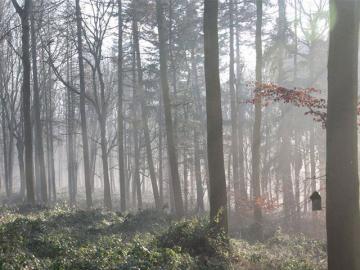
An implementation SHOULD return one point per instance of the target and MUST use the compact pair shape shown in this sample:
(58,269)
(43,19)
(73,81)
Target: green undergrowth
(64,238)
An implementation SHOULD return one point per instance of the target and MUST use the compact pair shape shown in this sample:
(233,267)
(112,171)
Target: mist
(179,134)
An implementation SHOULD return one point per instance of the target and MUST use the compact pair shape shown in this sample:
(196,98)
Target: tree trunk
(39,151)
(241,120)
(160,169)
(6,153)
(312,160)
(298,164)
(26,97)
(104,159)
(120,127)
(218,200)
(144,116)
(136,174)
(186,182)
(82,106)
(50,138)
(197,162)
(257,128)
(234,118)
(342,204)
(174,170)
(20,151)
(199,187)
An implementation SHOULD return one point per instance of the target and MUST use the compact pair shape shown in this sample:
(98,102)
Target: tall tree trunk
(104,159)
(82,106)
(186,182)
(285,131)
(312,160)
(26,97)
(120,127)
(135,106)
(102,113)
(296,23)
(298,164)
(286,182)
(342,204)
(160,169)
(93,157)
(174,170)
(144,116)
(50,139)
(197,162)
(127,163)
(199,187)
(20,151)
(6,152)
(218,200)
(234,117)
(71,160)
(306,183)
(39,151)
(137,183)
(241,120)
(173,66)
(257,127)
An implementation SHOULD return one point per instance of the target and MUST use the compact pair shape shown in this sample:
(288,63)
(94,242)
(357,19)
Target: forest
(179,134)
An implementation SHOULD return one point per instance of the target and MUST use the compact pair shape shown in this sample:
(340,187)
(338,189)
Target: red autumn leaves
(301,98)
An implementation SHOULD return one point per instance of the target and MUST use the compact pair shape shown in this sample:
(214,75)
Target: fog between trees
(239,109)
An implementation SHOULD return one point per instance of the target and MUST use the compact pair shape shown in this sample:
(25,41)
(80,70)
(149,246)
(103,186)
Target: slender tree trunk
(342,204)
(93,157)
(20,151)
(127,164)
(137,183)
(296,41)
(5,153)
(234,117)
(136,174)
(174,170)
(102,113)
(51,163)
(241,120)
(199,187)
(306,183)
(173,66)
(82,106)
(104,159)
(120,116)
(286,182)
(218,200)
(160,170)
(70,132)
(186,182)
(298,164)
(197,162)
(312,160)
(257,127)
(144,116)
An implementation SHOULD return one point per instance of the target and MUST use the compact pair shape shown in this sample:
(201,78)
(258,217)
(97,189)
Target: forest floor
(64,238)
